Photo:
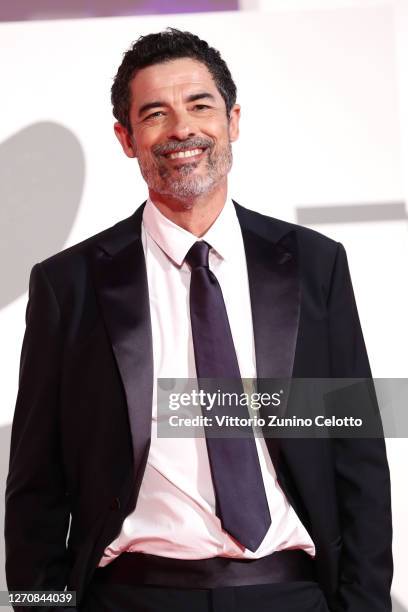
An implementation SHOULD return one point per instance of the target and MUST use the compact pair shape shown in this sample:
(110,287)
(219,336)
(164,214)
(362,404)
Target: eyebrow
(160,104)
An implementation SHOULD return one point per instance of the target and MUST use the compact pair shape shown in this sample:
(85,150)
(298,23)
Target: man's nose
(181,127)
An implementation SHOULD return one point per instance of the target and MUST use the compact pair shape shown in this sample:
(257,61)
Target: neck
(195,215)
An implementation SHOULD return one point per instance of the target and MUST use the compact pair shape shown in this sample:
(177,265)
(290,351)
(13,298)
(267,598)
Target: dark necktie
(240,493)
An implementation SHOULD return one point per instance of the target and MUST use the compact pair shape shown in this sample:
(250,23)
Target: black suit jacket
(81,429)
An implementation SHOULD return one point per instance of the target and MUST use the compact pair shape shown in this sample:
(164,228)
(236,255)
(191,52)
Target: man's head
(163,47)
(174,99)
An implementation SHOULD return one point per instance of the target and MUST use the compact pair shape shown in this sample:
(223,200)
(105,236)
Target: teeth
(189,153)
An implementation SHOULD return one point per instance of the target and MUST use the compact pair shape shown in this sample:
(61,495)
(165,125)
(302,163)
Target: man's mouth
(181,154)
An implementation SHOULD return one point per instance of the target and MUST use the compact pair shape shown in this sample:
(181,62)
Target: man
(191,285)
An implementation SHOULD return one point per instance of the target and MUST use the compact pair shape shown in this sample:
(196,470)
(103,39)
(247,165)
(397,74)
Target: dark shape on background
(42,170)
(354,213)
(25,10)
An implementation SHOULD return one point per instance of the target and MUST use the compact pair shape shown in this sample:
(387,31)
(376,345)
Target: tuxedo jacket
(82,424)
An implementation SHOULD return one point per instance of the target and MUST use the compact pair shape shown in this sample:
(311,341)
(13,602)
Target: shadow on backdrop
(42,169)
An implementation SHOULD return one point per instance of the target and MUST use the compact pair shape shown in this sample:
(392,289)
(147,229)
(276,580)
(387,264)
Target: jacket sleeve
(37,510)
(362,475)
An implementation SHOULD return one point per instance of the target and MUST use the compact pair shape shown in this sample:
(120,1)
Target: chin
(185,191)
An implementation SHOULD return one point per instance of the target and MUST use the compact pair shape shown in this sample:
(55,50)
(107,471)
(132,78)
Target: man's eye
(154,115)
(201,107)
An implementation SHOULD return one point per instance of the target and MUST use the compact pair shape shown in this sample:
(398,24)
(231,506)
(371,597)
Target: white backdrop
(324,95)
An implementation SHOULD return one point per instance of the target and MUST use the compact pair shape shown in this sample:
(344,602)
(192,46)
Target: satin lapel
(121,283)
(273,274)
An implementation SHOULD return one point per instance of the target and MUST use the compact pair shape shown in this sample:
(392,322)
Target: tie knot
(198,254)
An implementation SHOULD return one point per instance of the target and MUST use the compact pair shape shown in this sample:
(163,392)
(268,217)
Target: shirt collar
(176,241)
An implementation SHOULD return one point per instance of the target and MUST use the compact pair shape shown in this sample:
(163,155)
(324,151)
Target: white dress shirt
(175,510)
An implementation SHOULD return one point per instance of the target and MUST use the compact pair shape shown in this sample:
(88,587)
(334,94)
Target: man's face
(181,133)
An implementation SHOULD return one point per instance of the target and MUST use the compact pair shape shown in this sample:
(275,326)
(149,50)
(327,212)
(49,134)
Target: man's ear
(125,139)
(233,127)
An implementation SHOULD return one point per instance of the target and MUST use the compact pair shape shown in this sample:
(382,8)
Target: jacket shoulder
(271,227)
(71,266)
(119,233)
(80,248)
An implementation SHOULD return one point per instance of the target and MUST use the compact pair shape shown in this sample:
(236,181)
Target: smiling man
(191,285)
(180,127)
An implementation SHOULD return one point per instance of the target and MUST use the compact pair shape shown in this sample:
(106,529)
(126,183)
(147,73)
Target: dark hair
(164,47)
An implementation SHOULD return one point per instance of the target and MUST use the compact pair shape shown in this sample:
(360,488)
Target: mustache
(176,145)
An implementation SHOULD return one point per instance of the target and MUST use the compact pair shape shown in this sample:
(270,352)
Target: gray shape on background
(42,170)
(351,213)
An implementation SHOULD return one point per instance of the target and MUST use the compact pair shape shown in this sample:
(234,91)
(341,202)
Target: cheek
(146,157)
(219,132)
(143,152)
(143,142)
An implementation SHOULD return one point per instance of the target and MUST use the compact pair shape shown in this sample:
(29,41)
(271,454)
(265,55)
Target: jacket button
(115,504)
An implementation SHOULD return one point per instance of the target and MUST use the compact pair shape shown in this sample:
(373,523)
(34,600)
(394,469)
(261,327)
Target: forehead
(183,75)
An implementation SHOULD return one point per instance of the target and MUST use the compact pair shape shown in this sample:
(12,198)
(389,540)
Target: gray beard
(187,186)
